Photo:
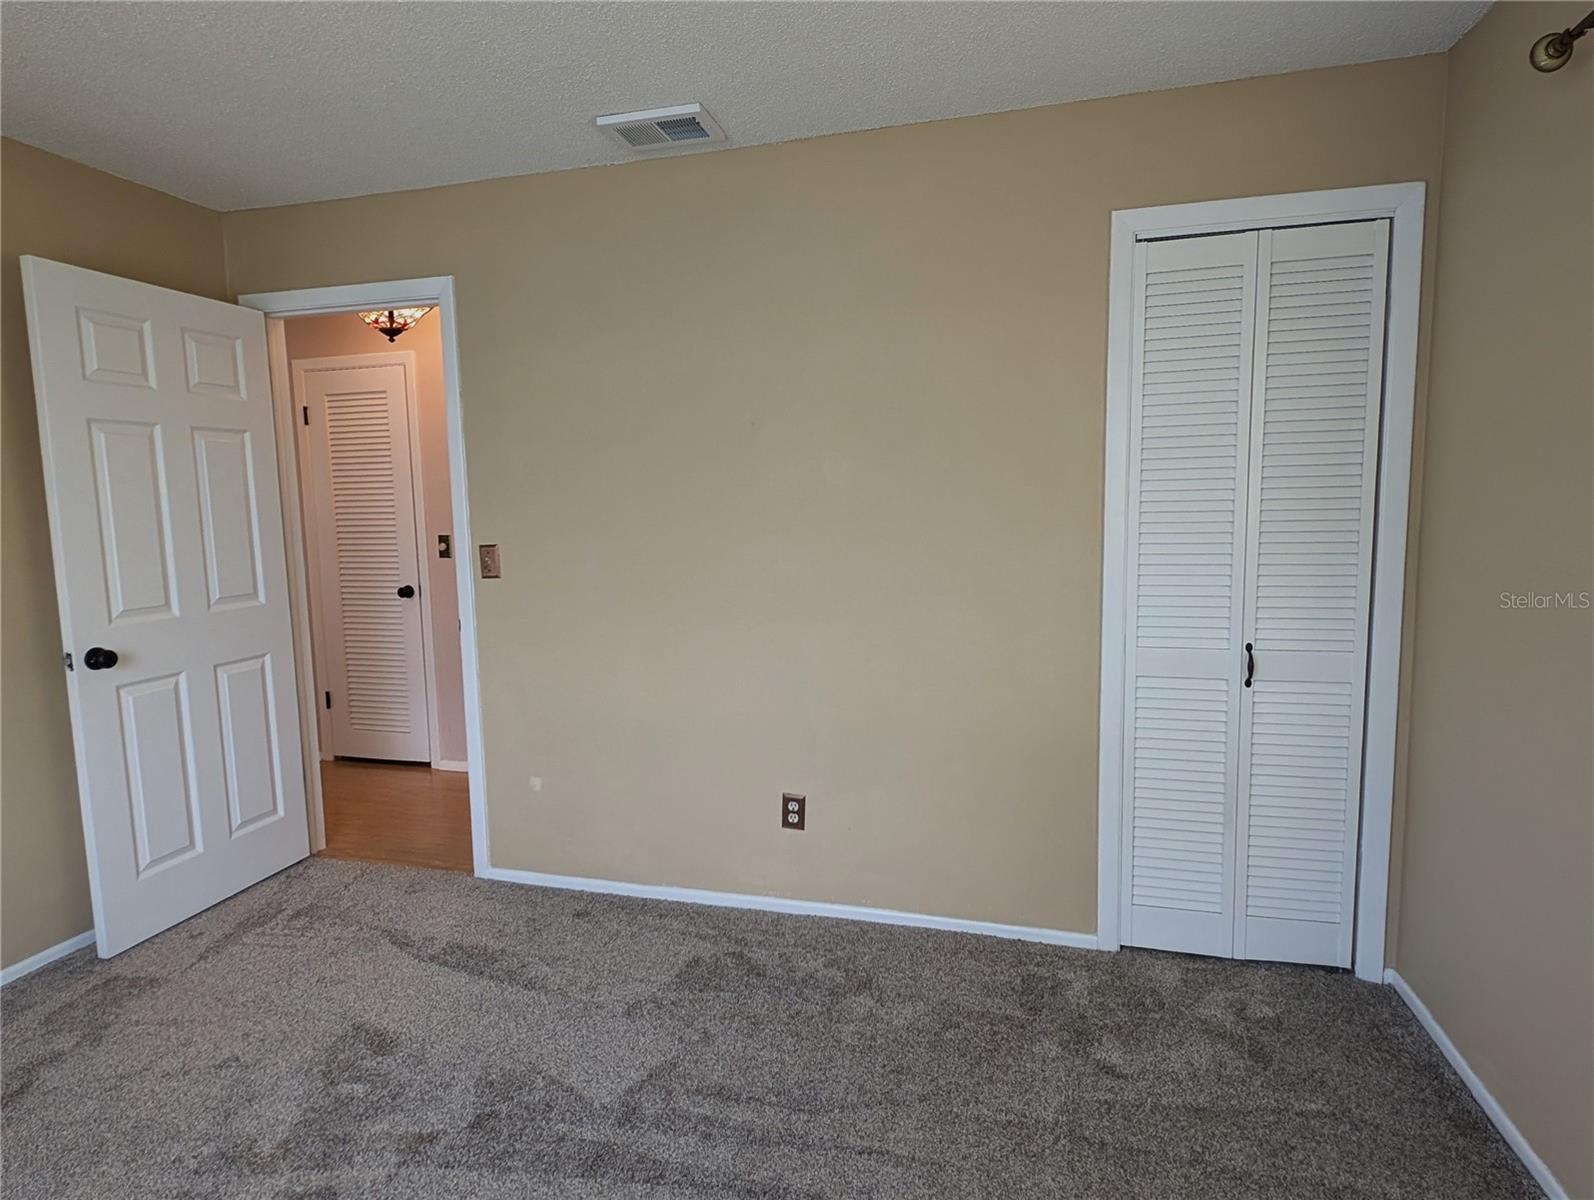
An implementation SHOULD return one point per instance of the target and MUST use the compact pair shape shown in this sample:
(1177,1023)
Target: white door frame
(1402,204)
(438,292)
(423,553)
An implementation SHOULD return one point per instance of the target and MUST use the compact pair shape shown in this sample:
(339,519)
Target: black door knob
(406,591)
(98,658)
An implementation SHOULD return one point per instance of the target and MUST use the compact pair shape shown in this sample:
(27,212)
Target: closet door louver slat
(1316,393)
(1191,404)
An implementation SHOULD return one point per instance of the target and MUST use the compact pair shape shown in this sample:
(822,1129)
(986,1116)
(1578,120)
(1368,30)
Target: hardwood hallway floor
(397,812)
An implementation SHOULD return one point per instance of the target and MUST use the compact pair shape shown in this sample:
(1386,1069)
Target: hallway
(397,813)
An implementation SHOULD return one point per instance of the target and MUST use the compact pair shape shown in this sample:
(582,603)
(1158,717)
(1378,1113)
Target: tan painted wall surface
(795,457)
(58,209)
(1497,918)
(344,333)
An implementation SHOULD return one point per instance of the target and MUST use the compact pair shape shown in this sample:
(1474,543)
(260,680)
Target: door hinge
(67,659)
(305,409)
(328,695)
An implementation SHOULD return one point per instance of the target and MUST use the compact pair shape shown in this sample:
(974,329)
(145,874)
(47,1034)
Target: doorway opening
(371,466)
(372,449)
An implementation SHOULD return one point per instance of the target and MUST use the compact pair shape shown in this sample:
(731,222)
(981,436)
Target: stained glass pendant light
(390,322)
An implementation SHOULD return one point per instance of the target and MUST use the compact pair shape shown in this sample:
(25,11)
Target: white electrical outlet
(535,783)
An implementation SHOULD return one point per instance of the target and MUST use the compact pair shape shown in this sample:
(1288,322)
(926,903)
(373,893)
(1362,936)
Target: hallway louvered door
(1254,431)
(369,562)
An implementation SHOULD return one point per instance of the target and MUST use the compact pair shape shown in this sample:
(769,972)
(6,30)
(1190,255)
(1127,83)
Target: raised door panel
(157,741)
(229,512)
(214,364)
(1190,411)
(250,749)
(1310,511)
(116,348)
(135,537)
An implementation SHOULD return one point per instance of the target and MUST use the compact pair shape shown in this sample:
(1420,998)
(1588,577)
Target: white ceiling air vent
(679,125)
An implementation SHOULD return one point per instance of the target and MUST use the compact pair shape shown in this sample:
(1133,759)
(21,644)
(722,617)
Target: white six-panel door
(160,468)
(1254,428)
(363,499)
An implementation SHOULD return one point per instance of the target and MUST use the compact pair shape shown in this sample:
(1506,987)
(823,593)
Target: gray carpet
(354,1030)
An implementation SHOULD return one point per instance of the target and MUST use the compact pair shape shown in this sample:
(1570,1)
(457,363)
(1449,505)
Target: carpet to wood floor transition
(355,1030)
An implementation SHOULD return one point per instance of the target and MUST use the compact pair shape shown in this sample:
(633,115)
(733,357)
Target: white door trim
(1402,203)
(381,358)
(436,291)
(298,578)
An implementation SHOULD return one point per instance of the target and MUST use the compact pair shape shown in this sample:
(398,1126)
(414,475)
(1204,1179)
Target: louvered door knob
(98,658)
(406,591)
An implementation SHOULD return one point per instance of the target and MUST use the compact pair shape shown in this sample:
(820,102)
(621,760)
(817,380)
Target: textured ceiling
(245,104)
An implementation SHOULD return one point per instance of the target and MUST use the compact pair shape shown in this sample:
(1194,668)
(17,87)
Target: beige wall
(58,209)
(794,454)
(1497,917)
(344,333)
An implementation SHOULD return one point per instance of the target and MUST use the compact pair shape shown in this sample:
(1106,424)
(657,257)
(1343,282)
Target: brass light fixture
(390,322)
(1554,50)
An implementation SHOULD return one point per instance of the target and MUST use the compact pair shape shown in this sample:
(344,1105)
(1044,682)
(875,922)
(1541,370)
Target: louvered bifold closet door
(1190,406)
(1313,473)
(365,517)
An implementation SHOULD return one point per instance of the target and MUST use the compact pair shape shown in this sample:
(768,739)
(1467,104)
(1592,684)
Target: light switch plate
(492,568)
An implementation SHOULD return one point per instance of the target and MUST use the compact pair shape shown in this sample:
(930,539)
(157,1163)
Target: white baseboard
(1486,1101)
(45,957)
(807,908)
(450,764)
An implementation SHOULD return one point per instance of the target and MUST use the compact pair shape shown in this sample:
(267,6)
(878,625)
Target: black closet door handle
(1250,664)
(406,591)
(98,658)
